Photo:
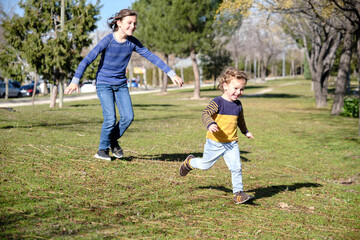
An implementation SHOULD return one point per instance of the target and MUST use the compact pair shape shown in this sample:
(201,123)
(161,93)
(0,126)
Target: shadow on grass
(84,105)
(153,105)
(175,157)
(212,89)
(265,192)
(272,95)
(179,157)
(273,190)
(52,125)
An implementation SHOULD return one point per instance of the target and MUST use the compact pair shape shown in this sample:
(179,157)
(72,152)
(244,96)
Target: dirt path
(76,97)
(270,89)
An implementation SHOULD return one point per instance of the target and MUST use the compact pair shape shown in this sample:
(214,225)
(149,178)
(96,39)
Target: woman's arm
(146,53)
(92,55)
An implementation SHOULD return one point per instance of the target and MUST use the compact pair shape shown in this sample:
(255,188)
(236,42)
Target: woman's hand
(177,80)
(72,87)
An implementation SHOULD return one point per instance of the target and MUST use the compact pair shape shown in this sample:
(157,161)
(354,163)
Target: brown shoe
(241,197)
(185,167)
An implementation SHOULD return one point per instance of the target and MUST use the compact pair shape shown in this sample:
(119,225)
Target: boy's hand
(213,128)
(249,135)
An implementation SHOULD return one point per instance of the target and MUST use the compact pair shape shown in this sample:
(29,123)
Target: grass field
(302,167)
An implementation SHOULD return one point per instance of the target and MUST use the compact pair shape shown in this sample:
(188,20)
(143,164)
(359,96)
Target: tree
(155,30)
(304,19)
(51,48)
(348,13)
(226,29)
(213,62)
(188,28)
(11,63)
(339,21)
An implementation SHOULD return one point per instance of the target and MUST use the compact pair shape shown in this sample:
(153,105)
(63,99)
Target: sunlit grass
(302,167)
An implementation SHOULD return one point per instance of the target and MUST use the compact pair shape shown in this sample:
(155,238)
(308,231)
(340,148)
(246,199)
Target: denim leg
(106,96)
(212,152)
(232,159)
(124,105)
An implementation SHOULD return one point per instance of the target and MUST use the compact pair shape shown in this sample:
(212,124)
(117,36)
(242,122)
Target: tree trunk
(153,77)
(34,90)
(159,78)
(263,72)
(345,58)
(182,72)
(324,42)
(358,70)
(254,69)
(46,91)
(320,88)
(6,96)
(165,76)
(54,94)
(236,61)
(131,73)
(145,79)
(196,75)
(61,93)
(283,65)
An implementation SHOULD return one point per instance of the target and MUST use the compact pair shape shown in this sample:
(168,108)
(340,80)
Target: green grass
(302,167)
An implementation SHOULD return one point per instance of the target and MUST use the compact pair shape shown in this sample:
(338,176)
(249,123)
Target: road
(17,102)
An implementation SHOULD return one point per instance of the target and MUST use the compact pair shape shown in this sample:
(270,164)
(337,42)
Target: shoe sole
(249,199)
(118,155)
(103,158)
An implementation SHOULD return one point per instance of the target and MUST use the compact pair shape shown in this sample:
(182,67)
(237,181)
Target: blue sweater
(115,57)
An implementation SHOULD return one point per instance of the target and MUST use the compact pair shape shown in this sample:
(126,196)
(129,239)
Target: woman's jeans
(109,95)
(230,151)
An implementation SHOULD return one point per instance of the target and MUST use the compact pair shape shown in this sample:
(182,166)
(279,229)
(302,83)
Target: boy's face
(234,89)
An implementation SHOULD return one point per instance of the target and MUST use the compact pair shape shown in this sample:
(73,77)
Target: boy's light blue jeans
(110,95)
(230,151)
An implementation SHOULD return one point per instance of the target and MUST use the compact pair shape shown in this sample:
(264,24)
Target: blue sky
(110,7)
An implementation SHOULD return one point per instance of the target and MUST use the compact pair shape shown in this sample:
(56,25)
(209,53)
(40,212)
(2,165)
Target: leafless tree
(259,39)
(348,14)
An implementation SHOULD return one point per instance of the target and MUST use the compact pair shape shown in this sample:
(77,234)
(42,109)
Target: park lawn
(302,167)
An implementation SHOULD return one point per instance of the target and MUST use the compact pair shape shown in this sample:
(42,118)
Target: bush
(351,107)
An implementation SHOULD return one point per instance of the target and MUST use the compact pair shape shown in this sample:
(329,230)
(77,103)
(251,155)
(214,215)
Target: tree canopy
(51,48)
(182,27)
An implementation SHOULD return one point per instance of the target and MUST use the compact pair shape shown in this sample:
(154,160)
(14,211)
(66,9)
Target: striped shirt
(228,116)
(115,57)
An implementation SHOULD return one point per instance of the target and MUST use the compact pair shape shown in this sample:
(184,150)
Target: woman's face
(127,25)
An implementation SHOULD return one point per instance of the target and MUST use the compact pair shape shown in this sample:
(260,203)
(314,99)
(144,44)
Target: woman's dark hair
(119,16)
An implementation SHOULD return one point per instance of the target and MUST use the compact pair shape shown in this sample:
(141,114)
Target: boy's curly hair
(228,74)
